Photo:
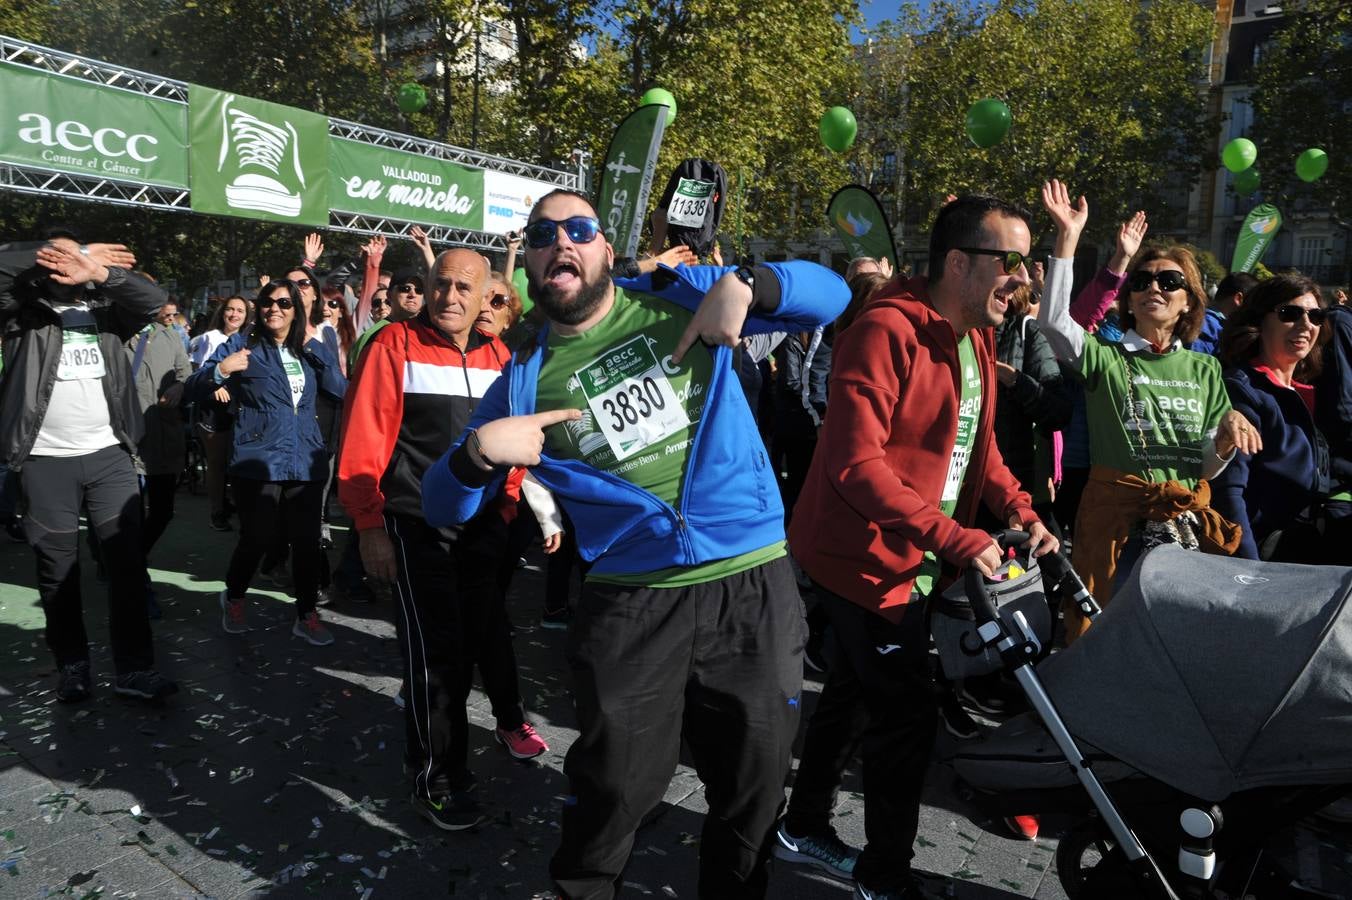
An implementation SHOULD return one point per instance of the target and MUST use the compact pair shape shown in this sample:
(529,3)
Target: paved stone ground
(276,770)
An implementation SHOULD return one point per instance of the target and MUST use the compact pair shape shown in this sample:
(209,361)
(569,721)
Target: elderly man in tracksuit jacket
(418,382)
(690,622)
(69,421)
(908,452)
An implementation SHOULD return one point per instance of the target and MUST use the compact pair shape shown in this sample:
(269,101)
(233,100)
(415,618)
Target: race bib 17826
(631,398)
(81,357)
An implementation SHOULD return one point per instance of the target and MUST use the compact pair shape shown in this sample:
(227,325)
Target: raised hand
(424,244)
(374,248)
(518,440)
(111,255)
(719,318)
(69,266)
(314,246)
(675,256)
(1129,238)
(235,362)
(1069,217)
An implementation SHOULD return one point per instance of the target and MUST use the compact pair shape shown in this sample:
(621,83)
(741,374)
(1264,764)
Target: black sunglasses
(301,282)
(334,304)
(410,288)
(497,301)
(1010,260)
(544,232)
(1290,312)
(380,301)
(279,302)
(1168,280)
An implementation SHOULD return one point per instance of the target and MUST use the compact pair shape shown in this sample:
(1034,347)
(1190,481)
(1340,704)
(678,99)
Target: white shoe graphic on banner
(260,145)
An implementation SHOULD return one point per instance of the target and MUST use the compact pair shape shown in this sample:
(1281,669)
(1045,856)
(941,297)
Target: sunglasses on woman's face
(1291,312)
(1168,280)
(279,302)
(301,282)
(380,301)
(334,304)
(497,301)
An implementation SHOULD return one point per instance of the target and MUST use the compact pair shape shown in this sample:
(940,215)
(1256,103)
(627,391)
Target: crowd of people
(707,445)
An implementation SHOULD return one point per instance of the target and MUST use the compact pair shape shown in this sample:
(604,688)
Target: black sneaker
(220,523)
(74,683)
(145,685)
(909,891)
(556,620)
(980,698)
(451,811)
(959,724)
(825,852)
(153,610)
(324,597)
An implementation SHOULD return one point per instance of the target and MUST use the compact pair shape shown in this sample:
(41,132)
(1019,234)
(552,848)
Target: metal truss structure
(74,186)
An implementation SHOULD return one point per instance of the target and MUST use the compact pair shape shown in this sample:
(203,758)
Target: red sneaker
(523,742)
(1024,827)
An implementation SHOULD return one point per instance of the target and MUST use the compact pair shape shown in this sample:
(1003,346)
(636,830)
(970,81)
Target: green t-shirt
(969,417)
(639,412)
(360,343)
(1149,414)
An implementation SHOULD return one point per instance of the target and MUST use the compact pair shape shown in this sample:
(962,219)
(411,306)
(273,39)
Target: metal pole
(478,71)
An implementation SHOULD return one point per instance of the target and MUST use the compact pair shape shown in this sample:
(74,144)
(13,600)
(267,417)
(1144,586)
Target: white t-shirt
(77,420)
(204,345)
(295,374)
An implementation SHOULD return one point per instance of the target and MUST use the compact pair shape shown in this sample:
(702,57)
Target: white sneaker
(232,615)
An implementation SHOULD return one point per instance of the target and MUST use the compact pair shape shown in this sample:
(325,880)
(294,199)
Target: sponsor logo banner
(1255,235)
(257,159)
(627,178)
(67,124)
(508,199)
(860,223)
(393,184)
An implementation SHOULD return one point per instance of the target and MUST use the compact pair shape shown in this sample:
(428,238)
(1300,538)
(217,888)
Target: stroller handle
(983,608)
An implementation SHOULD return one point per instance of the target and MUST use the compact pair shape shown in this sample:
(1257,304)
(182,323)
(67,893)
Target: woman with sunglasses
(333,313)
(1272,347)
(279,462)
(1160,422)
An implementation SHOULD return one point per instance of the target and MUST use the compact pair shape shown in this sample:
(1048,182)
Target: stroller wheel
(1090,866)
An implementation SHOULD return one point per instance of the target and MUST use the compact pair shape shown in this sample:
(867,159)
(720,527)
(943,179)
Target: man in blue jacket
(690,623)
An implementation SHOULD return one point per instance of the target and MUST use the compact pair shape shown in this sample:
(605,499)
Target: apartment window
(1311,252)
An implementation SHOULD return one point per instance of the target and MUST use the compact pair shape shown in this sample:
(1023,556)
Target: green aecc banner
(65,124)
(393,184)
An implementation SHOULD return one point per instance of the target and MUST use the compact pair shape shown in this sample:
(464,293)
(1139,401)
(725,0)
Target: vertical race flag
(628,176)
(1259,228)
(858,218)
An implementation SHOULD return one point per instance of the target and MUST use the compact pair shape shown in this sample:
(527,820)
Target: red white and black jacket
(410,398)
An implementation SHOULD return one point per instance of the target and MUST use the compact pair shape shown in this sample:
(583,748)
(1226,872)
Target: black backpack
(693,200)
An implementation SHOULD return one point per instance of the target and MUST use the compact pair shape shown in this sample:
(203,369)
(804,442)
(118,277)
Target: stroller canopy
(1216,675)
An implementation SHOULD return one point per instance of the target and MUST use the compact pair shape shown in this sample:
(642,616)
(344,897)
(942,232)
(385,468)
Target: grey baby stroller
(1207,708)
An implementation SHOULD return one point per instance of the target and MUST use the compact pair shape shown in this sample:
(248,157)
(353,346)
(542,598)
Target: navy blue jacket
(274,440)
(1209,338)
(1333,397)
(1265,493)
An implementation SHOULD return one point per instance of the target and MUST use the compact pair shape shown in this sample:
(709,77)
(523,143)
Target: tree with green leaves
(1303,98)
(1105,94)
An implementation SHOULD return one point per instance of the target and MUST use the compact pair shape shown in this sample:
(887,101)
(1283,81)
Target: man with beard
(69,423)
(907,451)
(413,393)
(689,624)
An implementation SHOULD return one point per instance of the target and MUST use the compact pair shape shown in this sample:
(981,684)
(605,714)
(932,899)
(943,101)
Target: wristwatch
(746,277)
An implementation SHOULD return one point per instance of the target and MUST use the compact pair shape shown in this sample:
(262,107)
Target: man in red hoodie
(907,453)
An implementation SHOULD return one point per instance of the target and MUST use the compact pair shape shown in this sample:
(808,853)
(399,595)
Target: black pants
(453,619)
(876,700)
(723,659)
(159,493)
(104,483)
(275,514)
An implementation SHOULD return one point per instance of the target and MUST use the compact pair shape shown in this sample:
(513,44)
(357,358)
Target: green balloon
(988,122)
(412,97)
(838,129)
(1312,164)
(663,96)
(1247,182)
(1239,154)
